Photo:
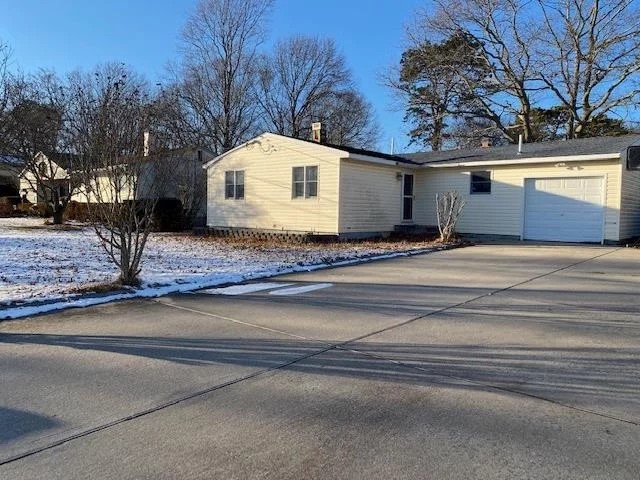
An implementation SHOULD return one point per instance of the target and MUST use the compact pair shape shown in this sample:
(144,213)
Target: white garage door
(564,209)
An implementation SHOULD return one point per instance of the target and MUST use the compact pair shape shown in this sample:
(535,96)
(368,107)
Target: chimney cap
(318,133)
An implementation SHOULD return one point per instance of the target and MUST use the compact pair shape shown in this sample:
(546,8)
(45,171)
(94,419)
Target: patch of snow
(303,289)
(246,288)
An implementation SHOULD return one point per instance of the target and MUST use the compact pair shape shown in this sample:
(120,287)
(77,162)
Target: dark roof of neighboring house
(559,148)
(360,151)
(63,160)
(10,161)
(183,150)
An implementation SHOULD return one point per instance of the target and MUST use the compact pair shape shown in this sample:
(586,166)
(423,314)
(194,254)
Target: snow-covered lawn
(39,262)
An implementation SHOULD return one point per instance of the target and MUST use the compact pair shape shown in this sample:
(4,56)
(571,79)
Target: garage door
(564,209)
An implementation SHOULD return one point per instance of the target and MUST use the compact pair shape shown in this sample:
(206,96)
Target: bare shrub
(449,206)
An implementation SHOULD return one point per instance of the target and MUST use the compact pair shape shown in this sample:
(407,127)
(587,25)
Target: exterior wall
(103,189)
(630,204)
(502,211)
(52,172)
(371,197)
(268,204)
(26,185)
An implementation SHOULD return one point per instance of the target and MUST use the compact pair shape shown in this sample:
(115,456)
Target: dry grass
(392,244)
(99,287)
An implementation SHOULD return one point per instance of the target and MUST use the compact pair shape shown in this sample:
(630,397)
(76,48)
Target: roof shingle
(559,148)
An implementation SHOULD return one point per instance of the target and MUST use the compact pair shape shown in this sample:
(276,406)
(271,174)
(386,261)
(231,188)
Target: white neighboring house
(170,174)
(54,169)
(573,191)
(186,182)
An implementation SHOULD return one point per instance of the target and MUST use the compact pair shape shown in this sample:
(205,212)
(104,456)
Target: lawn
(44,263)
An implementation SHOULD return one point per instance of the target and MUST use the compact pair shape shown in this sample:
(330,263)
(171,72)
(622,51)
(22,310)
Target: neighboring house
(574,191)
(56,169)
(53,169)
(171,174)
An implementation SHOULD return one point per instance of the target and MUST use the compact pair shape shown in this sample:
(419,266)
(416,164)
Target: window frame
(485,181)
(234,184)
(305,182)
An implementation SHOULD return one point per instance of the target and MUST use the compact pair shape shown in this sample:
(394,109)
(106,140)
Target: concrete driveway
(492,361)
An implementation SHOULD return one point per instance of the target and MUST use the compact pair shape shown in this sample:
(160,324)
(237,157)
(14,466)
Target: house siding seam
(268,203)
(629,204)
(501,211)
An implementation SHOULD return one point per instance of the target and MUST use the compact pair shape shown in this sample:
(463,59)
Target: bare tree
(31,130)
(109,115)
(218,71)
(590,57)
(449,207)
(189,181)
(505,31)
(5,57)
(301,74)
(350,119)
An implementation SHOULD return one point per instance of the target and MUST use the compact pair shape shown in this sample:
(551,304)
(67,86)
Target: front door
(407,197)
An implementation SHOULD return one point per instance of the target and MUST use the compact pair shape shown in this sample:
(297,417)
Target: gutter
(525,161)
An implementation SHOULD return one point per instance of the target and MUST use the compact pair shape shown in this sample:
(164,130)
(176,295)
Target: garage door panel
(564,209)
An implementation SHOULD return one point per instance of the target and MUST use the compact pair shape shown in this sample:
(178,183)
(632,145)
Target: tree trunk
(58,215)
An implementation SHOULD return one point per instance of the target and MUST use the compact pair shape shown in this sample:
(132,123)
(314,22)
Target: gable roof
(62,160)
(558,148)
(589,148)
(358,153)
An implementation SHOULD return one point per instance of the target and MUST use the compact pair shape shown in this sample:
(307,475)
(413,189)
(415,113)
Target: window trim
(235,185)
(305,182)
(488,181)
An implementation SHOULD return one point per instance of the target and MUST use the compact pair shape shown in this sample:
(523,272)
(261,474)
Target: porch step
(412,228)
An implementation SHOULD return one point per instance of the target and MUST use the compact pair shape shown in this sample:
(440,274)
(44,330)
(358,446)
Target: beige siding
(268,203)
(630,206)
(501,212)
(370,197)
(104,189)
(51,172)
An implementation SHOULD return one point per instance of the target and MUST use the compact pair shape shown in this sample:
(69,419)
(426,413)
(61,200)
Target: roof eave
(380,161)
(528,160)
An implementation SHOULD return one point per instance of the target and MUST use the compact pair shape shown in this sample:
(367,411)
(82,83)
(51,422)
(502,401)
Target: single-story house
(185,182)
(573,191)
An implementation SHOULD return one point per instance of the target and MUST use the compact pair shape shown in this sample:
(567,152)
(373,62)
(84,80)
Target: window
(304,182)
(633,158)
(481,182)
(234,184)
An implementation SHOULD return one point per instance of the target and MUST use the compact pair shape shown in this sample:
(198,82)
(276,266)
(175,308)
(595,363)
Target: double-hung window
(304,182)
(480,182)
(234,184)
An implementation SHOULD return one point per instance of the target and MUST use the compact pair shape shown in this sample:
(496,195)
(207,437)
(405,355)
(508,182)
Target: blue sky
(67,34)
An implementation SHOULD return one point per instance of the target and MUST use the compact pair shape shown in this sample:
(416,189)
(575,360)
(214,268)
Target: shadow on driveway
(589,376)
(17,423)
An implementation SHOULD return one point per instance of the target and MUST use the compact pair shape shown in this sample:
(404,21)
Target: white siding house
(53,169)
(576,191)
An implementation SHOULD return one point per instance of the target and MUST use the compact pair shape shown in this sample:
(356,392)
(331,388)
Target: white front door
(564,209)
